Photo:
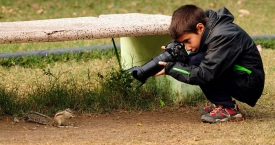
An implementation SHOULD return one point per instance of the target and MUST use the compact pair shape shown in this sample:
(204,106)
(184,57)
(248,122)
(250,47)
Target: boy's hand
(162,72)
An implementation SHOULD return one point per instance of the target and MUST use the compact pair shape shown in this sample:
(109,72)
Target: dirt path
(182,126)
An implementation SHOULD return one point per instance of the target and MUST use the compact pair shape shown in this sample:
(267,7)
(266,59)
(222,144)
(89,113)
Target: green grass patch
(42,62)
(114,91)
(266,43)
(92,91)
(101,90)
(91,81)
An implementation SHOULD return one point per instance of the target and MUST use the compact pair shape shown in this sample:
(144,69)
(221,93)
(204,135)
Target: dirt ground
(179,126)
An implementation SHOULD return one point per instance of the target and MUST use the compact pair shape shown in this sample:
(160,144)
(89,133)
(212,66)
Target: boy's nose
(187,48)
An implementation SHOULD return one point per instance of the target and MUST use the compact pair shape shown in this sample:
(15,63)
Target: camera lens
(142,73)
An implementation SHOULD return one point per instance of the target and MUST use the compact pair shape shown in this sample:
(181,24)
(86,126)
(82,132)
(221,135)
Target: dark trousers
(219,91)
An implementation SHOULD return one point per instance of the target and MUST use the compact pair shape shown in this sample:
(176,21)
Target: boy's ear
(200,27)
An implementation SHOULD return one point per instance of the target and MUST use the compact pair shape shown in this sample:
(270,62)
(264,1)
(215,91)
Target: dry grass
(256,17)
(265,107)
(26,79)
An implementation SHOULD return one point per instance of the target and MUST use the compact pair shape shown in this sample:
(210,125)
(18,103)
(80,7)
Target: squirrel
(59,119)
(61,116)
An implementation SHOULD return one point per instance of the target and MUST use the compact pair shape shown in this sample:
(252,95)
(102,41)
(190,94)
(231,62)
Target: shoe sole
(235,118)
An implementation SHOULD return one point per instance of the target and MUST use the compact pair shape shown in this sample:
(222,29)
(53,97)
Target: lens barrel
(174,51)
(142,73)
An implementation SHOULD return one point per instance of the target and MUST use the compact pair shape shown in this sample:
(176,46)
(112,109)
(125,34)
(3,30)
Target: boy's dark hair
(185,20)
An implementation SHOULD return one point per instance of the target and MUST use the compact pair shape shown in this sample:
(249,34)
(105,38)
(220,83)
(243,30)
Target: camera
(174,51)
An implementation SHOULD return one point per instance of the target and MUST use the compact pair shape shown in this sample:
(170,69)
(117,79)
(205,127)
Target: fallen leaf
(212,4)
(244,12)
(35,6)
(40,11)
(111,5)
(139,124)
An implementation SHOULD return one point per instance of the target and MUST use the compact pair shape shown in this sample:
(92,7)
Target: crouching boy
(224,61)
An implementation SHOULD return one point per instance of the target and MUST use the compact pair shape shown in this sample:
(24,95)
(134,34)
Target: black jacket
(226,46)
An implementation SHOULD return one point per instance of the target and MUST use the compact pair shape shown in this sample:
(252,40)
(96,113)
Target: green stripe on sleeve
(181,70)
(241,68)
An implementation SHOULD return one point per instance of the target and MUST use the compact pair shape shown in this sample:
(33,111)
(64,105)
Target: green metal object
(136,51)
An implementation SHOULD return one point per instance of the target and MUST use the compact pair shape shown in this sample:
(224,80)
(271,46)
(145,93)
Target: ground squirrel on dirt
(59,120)
(61,117)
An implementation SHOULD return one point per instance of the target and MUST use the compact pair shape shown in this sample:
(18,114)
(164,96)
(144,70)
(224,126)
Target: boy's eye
(186,41)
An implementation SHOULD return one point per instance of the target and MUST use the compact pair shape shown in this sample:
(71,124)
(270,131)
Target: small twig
(26,128)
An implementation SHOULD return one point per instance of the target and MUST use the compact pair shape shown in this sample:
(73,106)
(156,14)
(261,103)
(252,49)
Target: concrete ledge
(67,29)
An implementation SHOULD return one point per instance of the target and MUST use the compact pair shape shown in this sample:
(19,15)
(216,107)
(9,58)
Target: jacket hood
(222,16)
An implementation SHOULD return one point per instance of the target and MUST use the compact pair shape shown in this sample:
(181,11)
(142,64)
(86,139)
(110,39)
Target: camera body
(174,51)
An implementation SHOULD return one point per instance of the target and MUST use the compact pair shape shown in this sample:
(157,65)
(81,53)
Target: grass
(36,82)
(92,82)
(42,62)
(87,82)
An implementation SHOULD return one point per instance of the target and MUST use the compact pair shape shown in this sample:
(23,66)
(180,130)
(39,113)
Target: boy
(224,61)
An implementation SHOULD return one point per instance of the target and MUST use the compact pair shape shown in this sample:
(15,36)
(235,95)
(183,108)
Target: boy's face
(191,41)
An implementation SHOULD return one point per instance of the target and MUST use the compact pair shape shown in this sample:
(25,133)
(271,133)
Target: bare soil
(179,126)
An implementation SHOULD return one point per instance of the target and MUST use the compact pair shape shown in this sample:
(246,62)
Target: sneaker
(221,114)
(207,109)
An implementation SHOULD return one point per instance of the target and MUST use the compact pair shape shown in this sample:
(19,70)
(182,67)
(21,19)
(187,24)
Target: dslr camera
(174,51)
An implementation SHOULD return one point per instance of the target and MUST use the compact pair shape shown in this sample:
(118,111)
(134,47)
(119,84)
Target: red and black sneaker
(207,109)
(221,114)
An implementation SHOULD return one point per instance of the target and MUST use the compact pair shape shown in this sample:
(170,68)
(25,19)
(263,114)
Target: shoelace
(210,107)
(214,111)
